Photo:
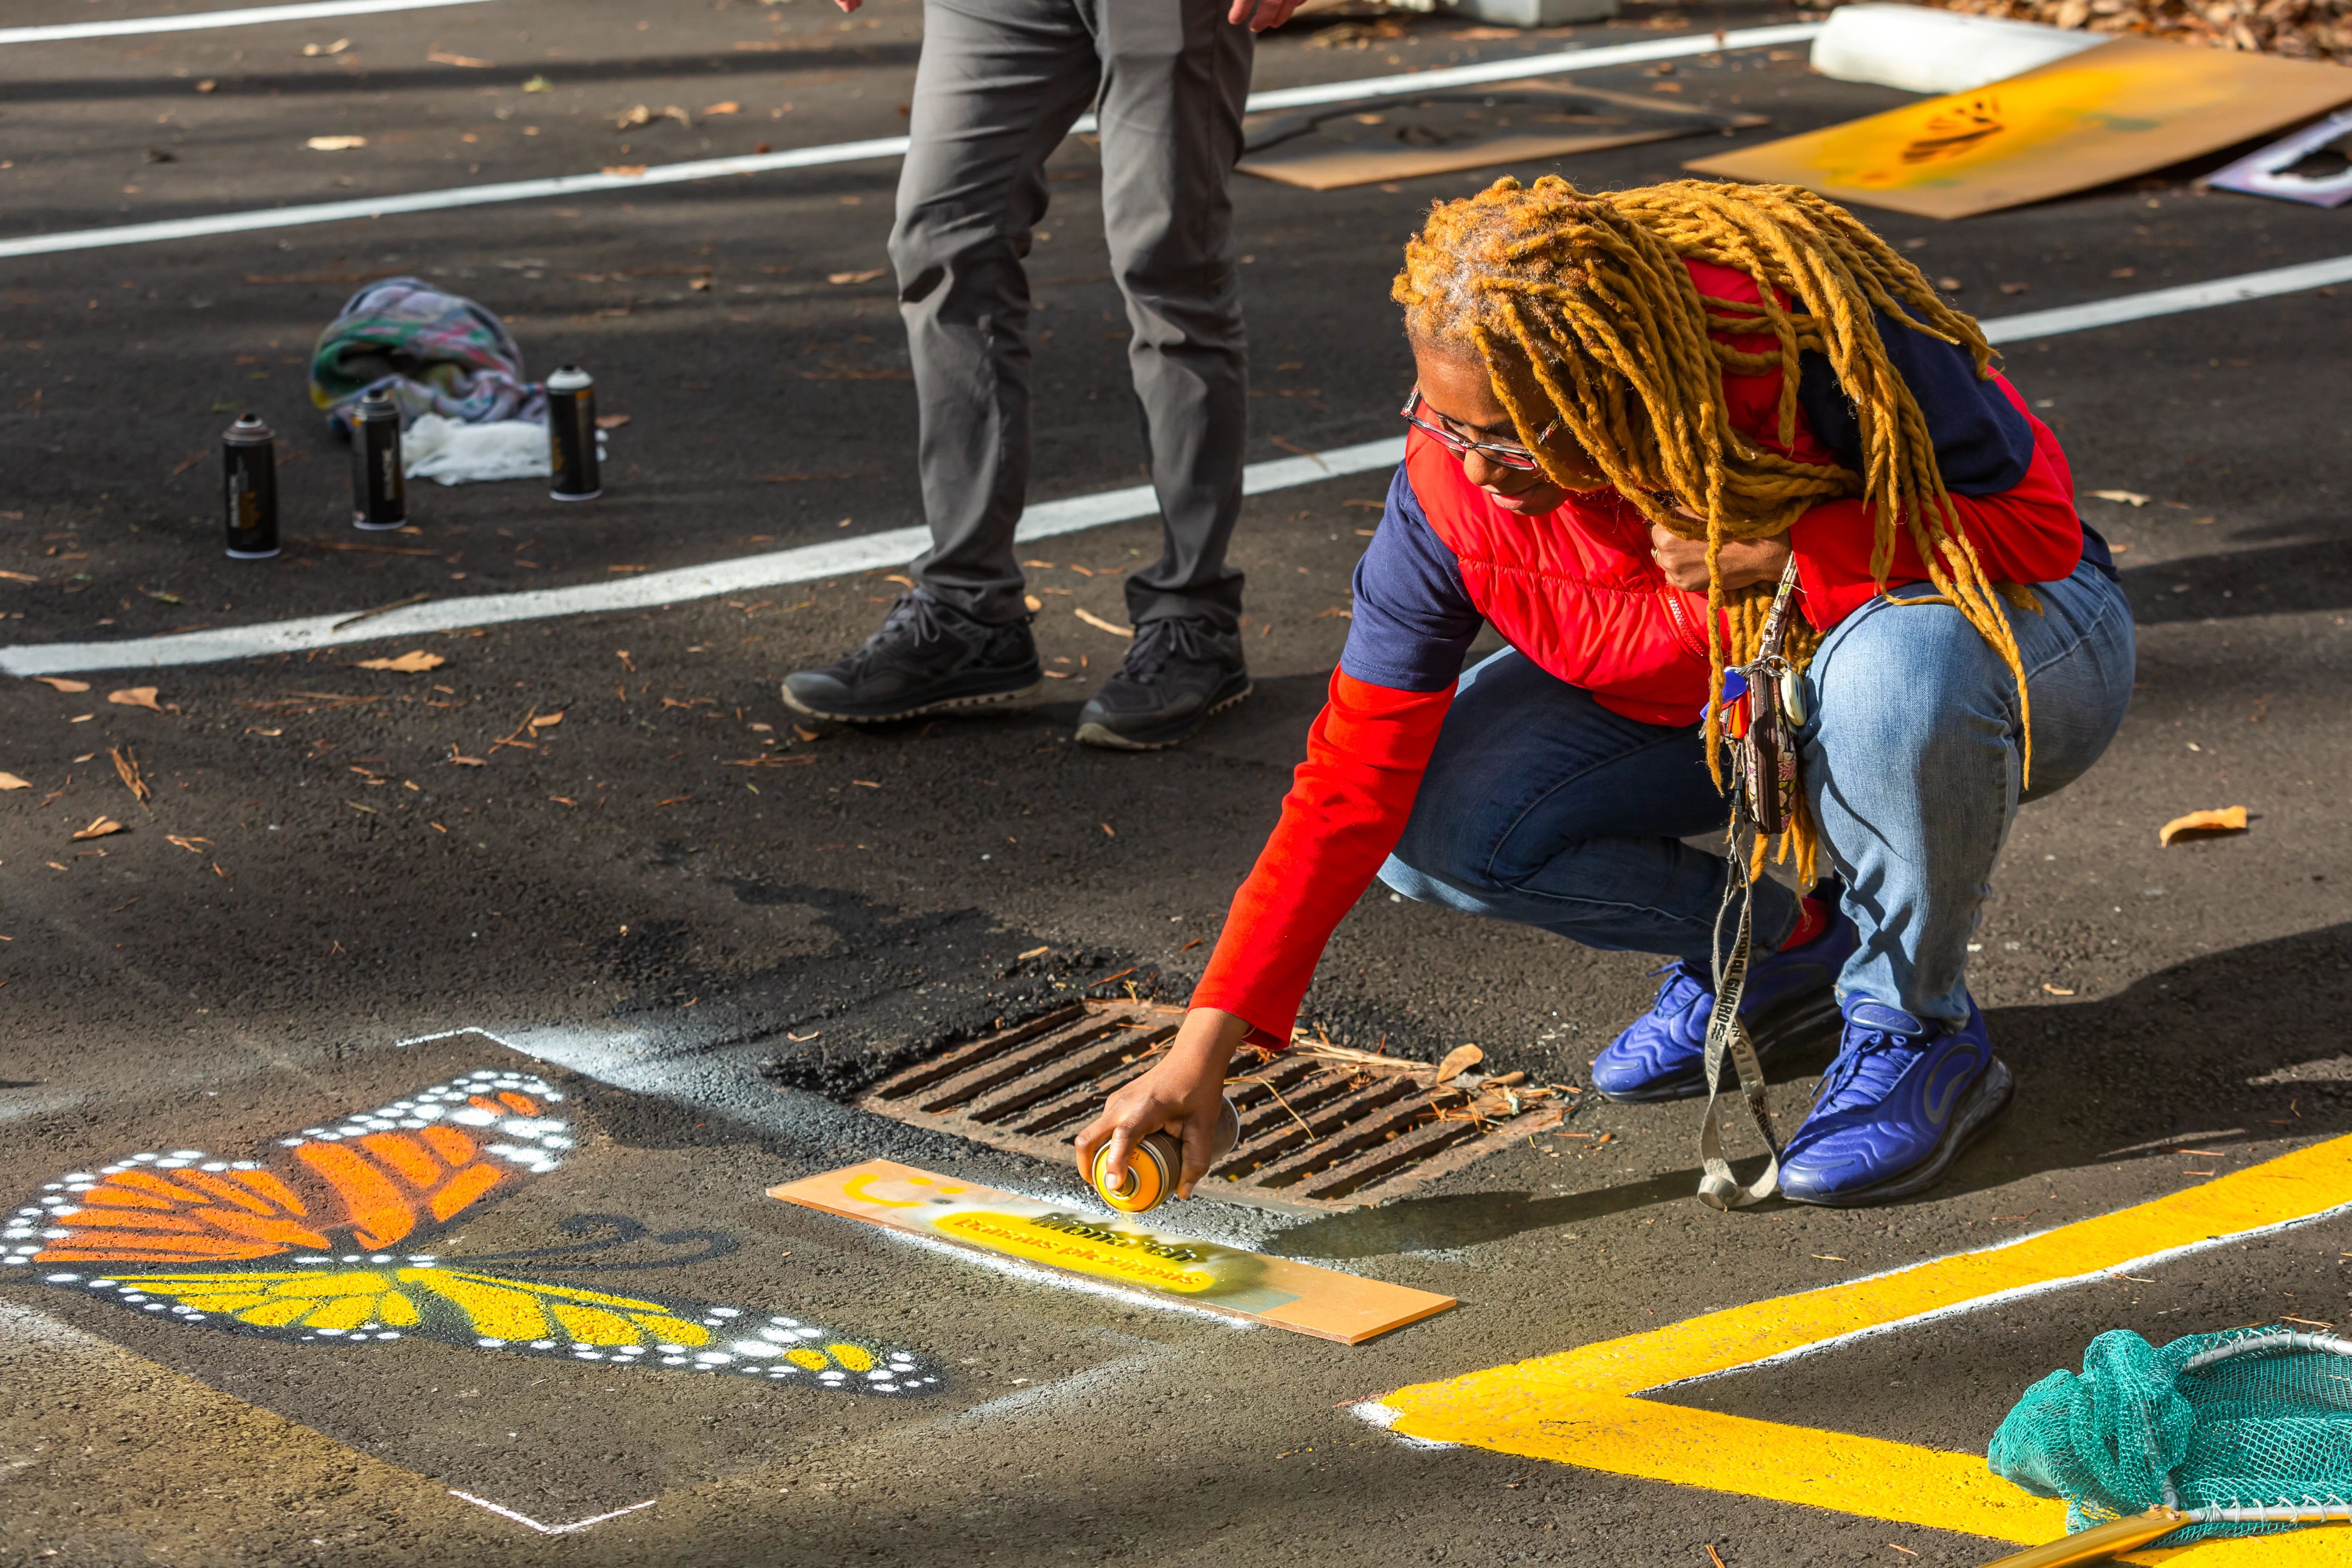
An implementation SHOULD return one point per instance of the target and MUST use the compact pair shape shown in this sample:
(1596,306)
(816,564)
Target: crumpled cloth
(454,453)
(434,353)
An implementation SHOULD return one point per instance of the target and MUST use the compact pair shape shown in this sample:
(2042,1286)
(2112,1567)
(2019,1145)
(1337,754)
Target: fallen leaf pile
(2299,29)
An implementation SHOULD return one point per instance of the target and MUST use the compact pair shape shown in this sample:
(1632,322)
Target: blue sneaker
(1789,1004)
(1894,1109)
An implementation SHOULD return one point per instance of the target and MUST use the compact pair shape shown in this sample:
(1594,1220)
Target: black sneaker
(928,658)
(1177,674)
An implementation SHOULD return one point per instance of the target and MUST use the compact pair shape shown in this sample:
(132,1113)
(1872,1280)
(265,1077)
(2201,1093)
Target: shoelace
(1867,1070)
(1687,987)
(913,618)
(1157,642)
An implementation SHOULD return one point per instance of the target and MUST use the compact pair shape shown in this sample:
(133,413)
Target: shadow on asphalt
(2275,580)
(2233,1034)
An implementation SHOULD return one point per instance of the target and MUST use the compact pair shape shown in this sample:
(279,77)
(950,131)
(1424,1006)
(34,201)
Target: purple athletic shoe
(1894,1109)
(1787,1005)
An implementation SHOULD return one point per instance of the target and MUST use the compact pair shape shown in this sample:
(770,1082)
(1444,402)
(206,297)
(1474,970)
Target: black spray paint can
(572,433)
(249,489)
(379,492)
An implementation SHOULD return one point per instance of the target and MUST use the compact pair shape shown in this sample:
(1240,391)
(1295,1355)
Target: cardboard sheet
(2123,109)
(1401,138)
(1120,1249)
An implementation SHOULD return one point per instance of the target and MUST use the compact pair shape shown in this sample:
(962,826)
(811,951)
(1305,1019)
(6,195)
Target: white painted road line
(250,16)
(859,151)
(895,546)
(459,196)
(1521,65)
(834,558)
(2171,301)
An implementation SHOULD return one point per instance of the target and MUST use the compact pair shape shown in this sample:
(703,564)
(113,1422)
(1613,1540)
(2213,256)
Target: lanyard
(1763,793)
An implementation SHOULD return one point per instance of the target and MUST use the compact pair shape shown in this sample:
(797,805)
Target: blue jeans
(1542,807)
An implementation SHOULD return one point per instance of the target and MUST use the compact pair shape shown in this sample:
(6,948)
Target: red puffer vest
(1576,590)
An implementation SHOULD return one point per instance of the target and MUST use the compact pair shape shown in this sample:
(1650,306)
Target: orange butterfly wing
(368,1181)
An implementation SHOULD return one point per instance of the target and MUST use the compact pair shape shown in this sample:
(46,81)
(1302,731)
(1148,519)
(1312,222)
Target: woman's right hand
(1182,1095)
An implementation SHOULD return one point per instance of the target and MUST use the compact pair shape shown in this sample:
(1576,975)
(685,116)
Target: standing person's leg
(997,88)
(1175,76)
(1913,762)
(1544,808)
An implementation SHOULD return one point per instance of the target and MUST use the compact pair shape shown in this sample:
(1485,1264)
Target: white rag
(456,453)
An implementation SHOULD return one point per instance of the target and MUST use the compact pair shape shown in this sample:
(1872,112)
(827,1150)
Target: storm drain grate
(1316,1133)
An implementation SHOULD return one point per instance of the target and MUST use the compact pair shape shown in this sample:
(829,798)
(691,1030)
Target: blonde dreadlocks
(1588,322)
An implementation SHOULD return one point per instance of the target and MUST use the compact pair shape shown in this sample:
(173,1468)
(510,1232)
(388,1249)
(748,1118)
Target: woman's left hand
(1745,561)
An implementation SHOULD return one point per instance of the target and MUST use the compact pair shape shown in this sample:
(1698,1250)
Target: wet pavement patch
(468,1278)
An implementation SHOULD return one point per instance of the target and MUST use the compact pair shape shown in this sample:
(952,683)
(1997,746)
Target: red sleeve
(2028,533)
(1345,810)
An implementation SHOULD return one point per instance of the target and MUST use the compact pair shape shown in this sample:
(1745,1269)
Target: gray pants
(998,86)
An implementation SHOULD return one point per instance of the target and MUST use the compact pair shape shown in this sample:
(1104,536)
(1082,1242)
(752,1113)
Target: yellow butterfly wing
(466,1307)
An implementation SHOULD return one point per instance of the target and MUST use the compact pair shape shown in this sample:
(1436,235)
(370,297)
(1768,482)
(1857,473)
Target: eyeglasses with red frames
(1508,454)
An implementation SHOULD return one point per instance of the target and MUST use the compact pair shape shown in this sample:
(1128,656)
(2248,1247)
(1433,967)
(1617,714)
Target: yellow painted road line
(1578,1407)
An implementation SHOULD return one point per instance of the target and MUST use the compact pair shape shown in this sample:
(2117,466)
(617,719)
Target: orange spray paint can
(1156,1164)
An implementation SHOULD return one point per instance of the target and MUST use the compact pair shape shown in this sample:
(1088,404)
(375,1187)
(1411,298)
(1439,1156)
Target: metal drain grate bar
(1315,1136)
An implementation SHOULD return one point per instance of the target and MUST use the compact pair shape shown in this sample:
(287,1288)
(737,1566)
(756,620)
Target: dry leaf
(2126,498)
(1036,952)
(100,826)
(10,781)
(337,48)
(1459,1060)
(464,762)
(126,767)
(415,662)
(191,844)
(443,57)
(611,421)
(335,144)
(629,171)
(59,683)
(2055,990)
(19,577)
(2228,819)
(729,106)
(867,276)
(545,721)
(135,697)
(1111,627)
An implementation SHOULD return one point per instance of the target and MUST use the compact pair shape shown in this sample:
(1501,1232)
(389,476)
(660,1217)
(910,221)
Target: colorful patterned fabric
(434,353)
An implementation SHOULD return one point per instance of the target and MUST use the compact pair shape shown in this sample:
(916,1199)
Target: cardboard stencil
(1118,1249)
(2313,166)
(2123,109)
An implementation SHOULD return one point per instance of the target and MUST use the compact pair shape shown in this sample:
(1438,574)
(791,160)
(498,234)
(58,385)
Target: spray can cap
(570,378)
(249,431)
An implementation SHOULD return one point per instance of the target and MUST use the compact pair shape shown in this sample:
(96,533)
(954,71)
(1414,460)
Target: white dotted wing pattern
(297,1248)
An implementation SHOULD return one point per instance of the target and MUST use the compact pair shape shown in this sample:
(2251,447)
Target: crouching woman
(1633,412)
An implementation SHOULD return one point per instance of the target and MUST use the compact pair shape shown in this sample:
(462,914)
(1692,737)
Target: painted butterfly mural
(298,1245)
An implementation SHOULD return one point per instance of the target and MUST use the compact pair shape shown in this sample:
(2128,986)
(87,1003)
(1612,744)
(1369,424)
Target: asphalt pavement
(708,928)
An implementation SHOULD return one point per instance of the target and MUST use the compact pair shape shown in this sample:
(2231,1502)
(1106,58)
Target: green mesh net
(2246,1431)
